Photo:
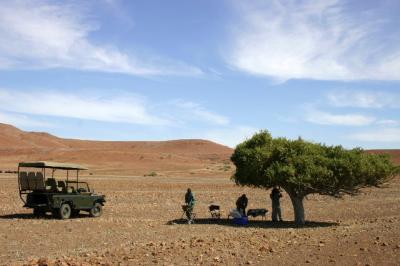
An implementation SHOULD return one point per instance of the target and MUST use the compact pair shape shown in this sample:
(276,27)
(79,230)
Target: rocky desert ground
(142,224)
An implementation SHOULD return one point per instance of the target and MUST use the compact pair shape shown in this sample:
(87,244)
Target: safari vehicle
(39,190)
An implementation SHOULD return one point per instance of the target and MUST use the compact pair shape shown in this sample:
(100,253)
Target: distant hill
(115,157)
(394,154)
(174,157)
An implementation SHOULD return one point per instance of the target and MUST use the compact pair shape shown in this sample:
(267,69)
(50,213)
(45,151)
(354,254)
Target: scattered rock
(272,250)
(42,262)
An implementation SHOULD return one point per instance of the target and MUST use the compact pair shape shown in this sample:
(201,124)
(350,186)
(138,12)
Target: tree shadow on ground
(31,216)
(256,223)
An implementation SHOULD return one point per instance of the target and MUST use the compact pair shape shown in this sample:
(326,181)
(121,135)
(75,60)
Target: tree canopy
(301,168)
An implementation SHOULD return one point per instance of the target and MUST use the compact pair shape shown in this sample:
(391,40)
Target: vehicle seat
(62,185)
(39,182)
(23,180)
(31,180)
(51,184)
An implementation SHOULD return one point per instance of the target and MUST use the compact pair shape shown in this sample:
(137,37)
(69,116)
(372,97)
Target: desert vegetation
(302,168)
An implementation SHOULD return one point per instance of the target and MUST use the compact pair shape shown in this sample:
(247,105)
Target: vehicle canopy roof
(52,165)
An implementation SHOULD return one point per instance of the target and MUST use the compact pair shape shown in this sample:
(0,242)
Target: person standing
(241,204)
(190,202)
(275,196)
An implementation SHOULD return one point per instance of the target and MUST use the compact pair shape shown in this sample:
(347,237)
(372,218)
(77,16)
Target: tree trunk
(298,208)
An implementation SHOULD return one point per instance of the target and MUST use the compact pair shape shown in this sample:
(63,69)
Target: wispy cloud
(196,111)
(388,122)
(378,135)
(363,99)
(316,116)
(21,120)
(231,135)
(45,34)
(110,106)
(124,108)
(322,40)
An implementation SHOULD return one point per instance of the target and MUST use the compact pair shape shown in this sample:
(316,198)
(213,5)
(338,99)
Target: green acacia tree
(301,168)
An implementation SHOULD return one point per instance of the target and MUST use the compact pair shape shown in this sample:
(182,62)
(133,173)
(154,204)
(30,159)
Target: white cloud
(196,111)
(20,120)
(43,34)
(125,108)
(314,40)
(378,135)
(230,136)
(22,108)
(388,122)
(363,99)
(324,118)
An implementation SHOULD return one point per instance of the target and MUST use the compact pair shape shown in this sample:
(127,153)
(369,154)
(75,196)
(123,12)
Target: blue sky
(328,71)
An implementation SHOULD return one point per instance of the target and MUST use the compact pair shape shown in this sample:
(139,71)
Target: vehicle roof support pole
(19,188)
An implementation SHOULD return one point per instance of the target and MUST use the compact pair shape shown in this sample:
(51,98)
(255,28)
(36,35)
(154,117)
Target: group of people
(276,195)
(241,204)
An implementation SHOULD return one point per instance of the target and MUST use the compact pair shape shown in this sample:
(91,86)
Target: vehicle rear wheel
(65,211)
(96,210)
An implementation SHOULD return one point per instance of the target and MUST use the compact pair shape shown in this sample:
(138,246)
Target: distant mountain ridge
(136,157)
(196,156)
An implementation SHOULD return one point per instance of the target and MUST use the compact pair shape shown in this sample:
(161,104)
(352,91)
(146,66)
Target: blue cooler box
(241,221)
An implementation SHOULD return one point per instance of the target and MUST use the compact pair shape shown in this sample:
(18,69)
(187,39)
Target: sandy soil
(141,225)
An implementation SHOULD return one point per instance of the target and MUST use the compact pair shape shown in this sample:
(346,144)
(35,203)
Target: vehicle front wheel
(65,211)
(96,210)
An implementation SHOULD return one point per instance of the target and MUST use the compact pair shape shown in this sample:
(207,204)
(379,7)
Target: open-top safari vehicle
(63,198)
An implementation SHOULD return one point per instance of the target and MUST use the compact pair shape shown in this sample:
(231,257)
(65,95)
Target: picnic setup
(239,216)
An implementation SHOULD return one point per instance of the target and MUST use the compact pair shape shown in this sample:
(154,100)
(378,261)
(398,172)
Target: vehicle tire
(75,213)
(96,210)
(65,211)
(38,212)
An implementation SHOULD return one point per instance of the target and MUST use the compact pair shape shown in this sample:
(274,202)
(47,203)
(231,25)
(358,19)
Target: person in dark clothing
(275,196)
(241,204)
(190,202)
